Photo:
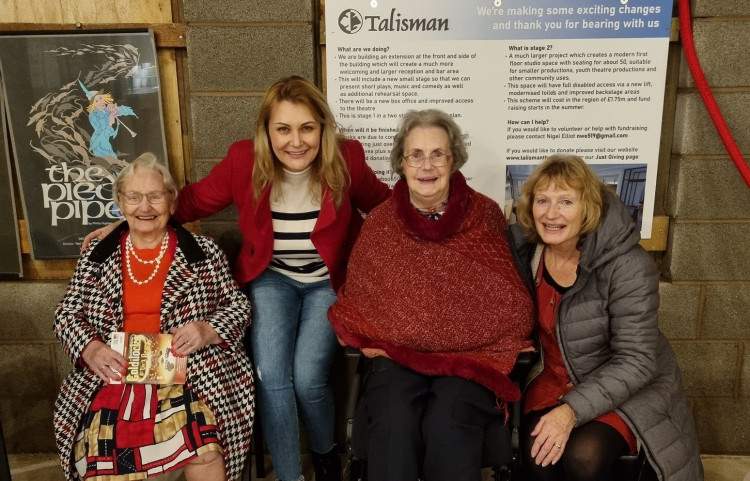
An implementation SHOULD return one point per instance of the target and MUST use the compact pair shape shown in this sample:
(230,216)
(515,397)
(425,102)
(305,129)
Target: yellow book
(150,358)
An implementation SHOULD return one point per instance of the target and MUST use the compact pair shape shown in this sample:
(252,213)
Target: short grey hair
(144,161)
(428,118)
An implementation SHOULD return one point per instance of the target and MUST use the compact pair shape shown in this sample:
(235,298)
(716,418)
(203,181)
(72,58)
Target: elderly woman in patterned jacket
(152,276)
(300,188)
(609,380)
(433,298)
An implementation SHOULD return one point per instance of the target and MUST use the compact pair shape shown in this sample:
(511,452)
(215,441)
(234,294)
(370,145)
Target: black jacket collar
(185,242)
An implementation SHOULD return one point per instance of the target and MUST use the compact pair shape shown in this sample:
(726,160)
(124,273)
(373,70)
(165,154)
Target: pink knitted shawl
(440,297)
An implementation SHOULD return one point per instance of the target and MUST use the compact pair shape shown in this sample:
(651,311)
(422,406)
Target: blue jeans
(292,347)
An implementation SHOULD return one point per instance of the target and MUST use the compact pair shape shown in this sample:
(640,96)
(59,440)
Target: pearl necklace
(130,250)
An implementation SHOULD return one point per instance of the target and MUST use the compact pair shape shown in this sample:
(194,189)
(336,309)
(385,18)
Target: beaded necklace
(434,212)
(130,250)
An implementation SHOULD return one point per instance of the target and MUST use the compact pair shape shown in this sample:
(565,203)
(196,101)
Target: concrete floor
(38,467)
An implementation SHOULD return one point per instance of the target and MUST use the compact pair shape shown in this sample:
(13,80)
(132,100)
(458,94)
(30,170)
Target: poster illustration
(522,78)
(80,108)
(10,246)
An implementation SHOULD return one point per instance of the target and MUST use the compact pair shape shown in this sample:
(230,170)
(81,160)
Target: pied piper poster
(523,79)
(80,108)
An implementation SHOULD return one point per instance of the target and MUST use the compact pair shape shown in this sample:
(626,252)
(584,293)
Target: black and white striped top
(294,215)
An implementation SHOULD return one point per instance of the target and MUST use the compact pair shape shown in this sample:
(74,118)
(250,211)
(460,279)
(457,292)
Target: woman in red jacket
(299,188)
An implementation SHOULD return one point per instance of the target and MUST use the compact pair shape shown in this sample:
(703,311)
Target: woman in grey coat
(609,383)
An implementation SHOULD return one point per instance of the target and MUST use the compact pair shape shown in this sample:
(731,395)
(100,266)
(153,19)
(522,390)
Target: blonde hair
(106,97)
(329,167)
(568,172)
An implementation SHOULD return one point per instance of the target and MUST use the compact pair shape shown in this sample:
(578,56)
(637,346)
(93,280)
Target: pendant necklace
(437,208)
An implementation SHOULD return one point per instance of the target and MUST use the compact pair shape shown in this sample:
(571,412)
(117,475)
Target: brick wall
(236,50)
(706,308)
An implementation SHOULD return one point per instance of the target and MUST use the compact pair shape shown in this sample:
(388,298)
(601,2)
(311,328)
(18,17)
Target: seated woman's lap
(425,426)
(127,431)
(591,451)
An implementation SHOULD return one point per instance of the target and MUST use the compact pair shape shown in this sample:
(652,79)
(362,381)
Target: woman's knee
(272,361)
(311,374)
(461,402)
(395,395)
(210,457)
(588,458)
(592,450)
(208,466)
(270,378)
(584,466)
(311,392)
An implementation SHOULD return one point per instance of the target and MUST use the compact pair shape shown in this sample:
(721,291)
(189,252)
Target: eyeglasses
(437,159)
(562,204)
(135,198)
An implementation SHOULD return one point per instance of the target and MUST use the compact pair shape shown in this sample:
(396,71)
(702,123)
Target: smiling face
(558,216)
(428,185)
(147,221)
(294,134)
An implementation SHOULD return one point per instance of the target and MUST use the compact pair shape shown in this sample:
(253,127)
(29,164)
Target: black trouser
(428,427)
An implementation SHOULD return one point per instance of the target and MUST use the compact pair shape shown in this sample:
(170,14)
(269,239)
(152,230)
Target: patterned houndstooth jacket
(198,286)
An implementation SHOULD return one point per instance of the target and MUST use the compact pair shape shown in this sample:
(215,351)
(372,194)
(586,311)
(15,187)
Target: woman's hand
(192,337)
(551,434)
(105,362)
(99,233)
(372,352)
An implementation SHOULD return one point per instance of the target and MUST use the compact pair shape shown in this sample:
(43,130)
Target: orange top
(142,303)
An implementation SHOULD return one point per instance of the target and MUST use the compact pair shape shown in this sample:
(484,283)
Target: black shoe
(327,466)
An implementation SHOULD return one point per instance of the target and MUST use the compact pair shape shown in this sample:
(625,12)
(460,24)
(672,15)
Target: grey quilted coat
(198,287)
(612,347)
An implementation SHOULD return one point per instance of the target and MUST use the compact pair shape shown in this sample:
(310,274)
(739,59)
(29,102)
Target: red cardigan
(335,230)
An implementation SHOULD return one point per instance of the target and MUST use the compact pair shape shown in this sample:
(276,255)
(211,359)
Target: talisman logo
(350,21)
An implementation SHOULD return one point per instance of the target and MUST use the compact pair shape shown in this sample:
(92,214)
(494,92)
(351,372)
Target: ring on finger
(558,445)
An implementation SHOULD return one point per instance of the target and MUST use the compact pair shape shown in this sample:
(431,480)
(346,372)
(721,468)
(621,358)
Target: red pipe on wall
(686,30)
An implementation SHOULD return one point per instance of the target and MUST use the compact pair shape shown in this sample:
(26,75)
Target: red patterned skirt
(137,431)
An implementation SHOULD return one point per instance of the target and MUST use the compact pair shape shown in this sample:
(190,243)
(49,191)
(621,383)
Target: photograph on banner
(522,78)
(80,108)
(10,243)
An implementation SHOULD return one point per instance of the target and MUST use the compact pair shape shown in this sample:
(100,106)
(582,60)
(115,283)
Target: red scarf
(441,297)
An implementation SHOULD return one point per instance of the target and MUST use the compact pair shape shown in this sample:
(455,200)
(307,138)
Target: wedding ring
(558,446)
